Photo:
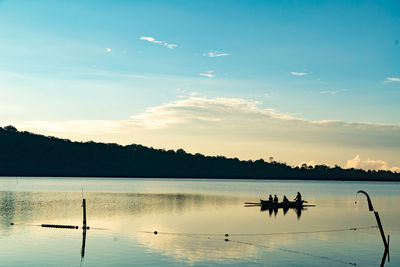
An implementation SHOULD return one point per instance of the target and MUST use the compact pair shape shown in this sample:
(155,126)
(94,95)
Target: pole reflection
(83,245)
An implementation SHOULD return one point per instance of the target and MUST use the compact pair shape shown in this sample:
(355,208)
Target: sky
(314,82)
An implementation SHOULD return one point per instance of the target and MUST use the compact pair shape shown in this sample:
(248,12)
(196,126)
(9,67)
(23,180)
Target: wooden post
(378,220)
(84,213)
(388,248)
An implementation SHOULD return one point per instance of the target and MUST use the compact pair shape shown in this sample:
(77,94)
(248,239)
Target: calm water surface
(192,218)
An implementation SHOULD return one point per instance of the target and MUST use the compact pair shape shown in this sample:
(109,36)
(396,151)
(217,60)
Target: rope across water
(264,234)
(205,235)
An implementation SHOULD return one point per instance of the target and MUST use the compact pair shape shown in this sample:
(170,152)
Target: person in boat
(270,199)
(298,197)
(275,199)
(285,199)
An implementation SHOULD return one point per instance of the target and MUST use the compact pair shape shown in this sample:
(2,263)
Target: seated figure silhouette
(285,199)
(298,197)
(275,199)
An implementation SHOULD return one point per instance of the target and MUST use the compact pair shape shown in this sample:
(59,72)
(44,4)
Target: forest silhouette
(27,154)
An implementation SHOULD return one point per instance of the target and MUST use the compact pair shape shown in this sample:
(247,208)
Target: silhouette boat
(289,204)
(266,204)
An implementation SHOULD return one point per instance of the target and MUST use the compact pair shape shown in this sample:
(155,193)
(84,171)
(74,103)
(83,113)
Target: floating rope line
(207,236)
(312,232)
(266,234)
(183,234)
(60,226)
(25,224)
(297,252)
(98,228)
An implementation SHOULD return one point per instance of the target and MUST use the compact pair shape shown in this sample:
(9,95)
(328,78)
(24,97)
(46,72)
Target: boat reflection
(297,210)
(274,209)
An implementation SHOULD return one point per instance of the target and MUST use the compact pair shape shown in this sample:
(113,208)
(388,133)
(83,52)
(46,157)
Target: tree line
(27,154)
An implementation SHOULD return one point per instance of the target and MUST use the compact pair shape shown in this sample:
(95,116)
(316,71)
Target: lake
(191,217)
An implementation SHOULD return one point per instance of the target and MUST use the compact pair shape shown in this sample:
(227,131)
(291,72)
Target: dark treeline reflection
(42,207)
(28,154)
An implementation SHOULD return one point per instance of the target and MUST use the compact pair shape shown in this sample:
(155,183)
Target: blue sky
(114,60)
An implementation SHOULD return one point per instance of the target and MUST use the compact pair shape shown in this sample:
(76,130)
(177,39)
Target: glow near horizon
(263,72)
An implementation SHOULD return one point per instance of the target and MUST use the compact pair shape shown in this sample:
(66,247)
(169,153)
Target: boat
(272,207)
(290,204)
(266,204)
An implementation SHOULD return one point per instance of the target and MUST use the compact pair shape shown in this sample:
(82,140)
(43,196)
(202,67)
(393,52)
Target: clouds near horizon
(241,128)
(370,164)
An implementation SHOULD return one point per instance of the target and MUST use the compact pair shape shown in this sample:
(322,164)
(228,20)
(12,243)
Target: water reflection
(197,223)
(197,248)
(274,210)
(83,244)
(63,208)
(384,256)
(7,208)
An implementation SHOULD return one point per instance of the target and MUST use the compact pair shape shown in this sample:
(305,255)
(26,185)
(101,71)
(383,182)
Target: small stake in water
(84,214)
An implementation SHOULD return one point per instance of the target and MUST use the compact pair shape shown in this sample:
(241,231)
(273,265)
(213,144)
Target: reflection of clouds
(192,249)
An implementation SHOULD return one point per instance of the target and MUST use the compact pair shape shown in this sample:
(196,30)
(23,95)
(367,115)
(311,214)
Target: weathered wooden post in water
(378,220)
(84,213)
(84,228)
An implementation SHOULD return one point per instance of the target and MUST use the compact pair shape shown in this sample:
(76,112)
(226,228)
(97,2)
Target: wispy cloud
(154,41)
(108,50)
(215,54)
(393,79)
(209,74)
(333,92)
(268,95)
(182,93)
(300,73)
(150,39)
(171,46)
